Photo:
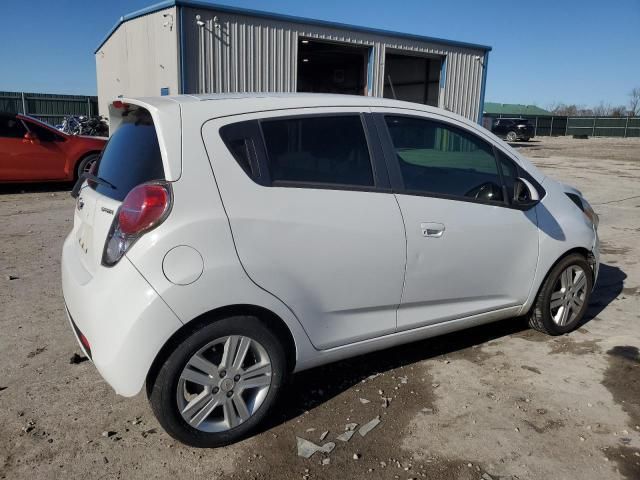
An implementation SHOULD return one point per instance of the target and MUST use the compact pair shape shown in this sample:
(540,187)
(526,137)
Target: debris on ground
(427,410)
(306,448)
(148,432)
(11,277)
(364,401)
(35,352)
(346,436)
(403,379)
(3,388)
(367,427)
(75,359)
(29,426)
(108,433)
(350,426)
(356,456)
(324,435)
(326,461)
(386,401)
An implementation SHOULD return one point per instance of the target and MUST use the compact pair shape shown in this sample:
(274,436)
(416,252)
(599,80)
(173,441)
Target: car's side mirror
(31,137)
(525,194)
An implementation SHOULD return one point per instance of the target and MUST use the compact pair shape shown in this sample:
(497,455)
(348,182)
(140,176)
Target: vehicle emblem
(80,203)
(107,210)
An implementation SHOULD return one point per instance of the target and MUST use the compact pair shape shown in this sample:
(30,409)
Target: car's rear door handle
(432,229)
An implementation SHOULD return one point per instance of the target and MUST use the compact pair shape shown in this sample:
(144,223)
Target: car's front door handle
(432,229)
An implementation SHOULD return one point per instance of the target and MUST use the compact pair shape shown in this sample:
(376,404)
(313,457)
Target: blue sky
(581,52)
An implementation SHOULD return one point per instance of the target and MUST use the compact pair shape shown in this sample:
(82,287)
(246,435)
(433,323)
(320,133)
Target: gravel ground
(492,402)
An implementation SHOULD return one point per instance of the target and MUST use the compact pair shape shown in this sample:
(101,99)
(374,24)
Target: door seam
(406,258)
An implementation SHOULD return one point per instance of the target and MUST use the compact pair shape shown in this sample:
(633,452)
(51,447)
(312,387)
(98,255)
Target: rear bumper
(124,320)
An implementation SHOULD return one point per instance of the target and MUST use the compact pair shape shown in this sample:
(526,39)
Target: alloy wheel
(224,383)
(568,296)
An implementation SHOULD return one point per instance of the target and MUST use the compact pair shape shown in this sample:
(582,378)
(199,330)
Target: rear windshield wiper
(92,178)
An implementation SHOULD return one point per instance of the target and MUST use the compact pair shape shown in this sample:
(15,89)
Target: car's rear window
(131,157)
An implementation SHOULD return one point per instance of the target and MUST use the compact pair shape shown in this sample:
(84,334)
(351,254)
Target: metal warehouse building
(184,46)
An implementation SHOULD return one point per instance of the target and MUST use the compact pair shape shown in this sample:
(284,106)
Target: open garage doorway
(326,67)
(412,78)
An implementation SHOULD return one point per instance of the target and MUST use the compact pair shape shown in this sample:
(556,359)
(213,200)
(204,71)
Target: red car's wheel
(84,166)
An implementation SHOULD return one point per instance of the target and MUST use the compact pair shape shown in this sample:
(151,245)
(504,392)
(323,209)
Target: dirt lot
(493,402)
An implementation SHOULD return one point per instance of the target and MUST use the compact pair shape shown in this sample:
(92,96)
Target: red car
(32,151)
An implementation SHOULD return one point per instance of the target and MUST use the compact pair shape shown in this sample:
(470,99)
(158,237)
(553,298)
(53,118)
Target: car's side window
(438,158)
(11,127)
(322,150)
(43,134)
(509,172)
(243,141)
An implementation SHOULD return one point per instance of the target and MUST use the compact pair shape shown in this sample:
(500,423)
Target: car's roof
(315,99)
(222,104)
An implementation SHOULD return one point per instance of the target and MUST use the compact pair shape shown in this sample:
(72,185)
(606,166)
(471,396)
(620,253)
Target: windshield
(131,157)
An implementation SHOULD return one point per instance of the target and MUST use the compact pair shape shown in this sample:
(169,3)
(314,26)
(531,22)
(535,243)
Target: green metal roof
(491,108)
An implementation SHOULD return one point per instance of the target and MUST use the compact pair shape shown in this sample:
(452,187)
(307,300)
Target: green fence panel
(48,107)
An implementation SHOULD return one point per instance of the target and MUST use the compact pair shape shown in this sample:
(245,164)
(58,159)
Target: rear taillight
(143,209)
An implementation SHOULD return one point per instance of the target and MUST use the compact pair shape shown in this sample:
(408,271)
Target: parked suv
(226,242)
(513,129)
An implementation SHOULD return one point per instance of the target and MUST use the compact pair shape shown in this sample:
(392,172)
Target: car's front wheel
(219,382)
(512,136)
(564,296)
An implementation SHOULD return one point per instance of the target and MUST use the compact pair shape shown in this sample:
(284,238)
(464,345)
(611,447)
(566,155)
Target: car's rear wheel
(84,166)
(564,296)
(512,136)
(219,383)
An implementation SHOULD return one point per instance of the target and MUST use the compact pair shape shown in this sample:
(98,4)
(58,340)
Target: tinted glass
(323,150)
(240,139)
(43,133)
(509,172)
(131,157)
(437,158)
(11,127)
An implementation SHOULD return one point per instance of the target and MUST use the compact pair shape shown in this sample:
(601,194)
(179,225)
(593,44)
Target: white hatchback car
(226,241)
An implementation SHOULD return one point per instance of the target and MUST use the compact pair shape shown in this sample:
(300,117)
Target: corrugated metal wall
(139,59)
(251,54)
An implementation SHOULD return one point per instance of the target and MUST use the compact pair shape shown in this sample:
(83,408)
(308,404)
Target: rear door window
(322,150)
(131,157)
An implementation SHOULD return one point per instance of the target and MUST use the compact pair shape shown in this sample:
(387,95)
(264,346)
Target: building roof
(516,109)
(276,16)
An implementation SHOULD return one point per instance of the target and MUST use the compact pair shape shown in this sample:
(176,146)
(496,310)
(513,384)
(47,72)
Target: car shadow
(49,187)
(520,143)
(609,285)
(311,388)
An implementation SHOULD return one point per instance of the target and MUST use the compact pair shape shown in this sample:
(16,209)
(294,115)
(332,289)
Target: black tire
(162,393)
(86,163)
(511,136)
(540,317)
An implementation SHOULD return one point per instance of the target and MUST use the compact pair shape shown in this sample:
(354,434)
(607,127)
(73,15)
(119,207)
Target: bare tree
(602,110)
(634,102)
(619,111)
